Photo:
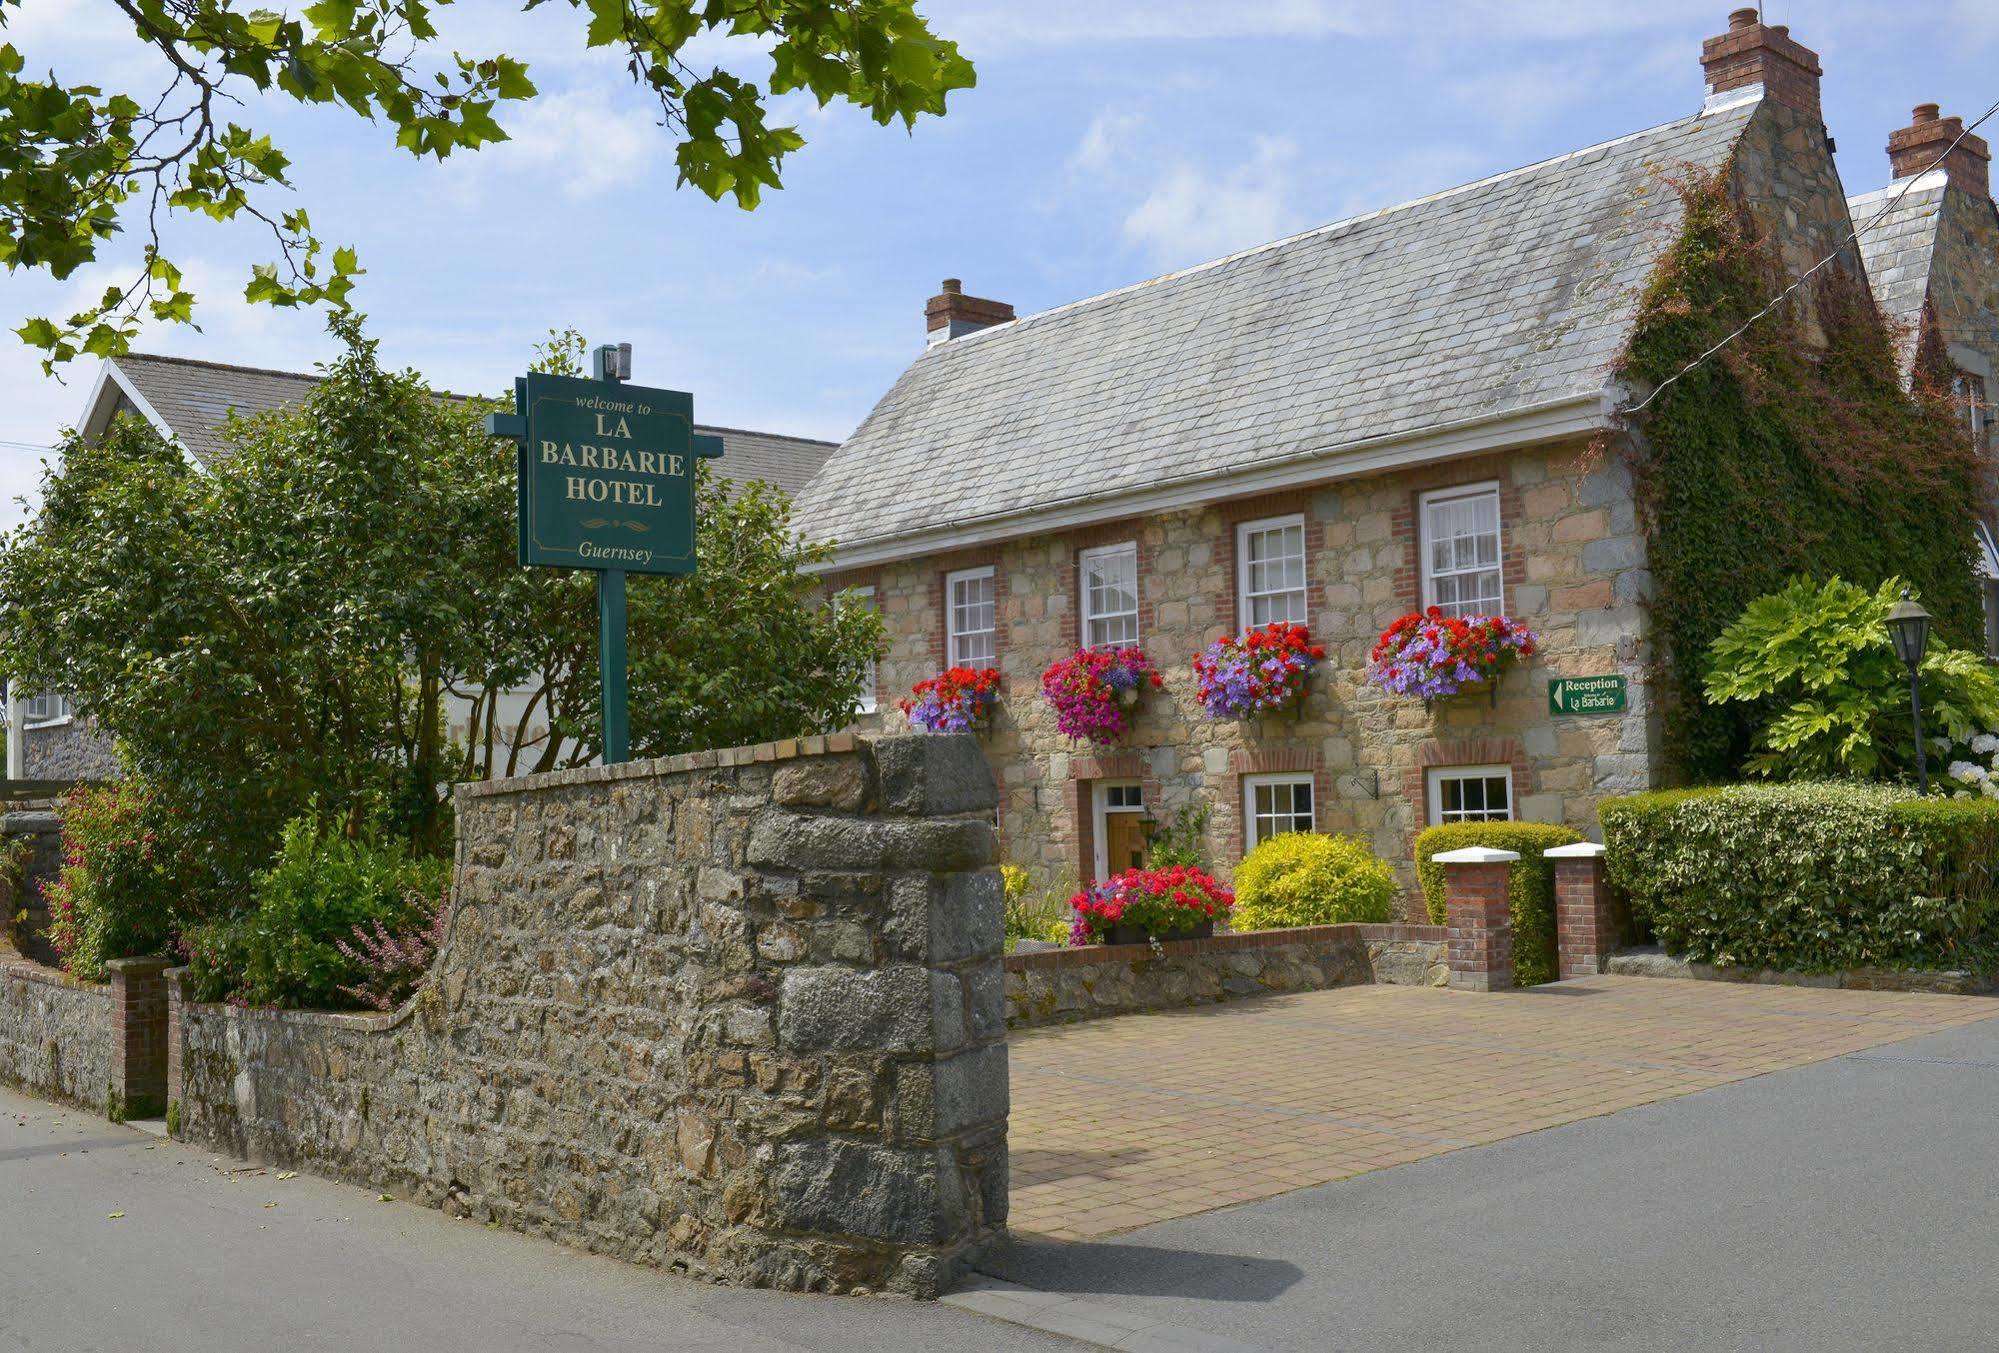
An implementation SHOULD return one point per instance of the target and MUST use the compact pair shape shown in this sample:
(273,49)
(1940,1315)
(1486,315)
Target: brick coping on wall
(1221,944)
(783,749)
(19,967)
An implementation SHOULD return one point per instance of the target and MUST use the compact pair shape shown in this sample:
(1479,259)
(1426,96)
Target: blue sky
(1107,141)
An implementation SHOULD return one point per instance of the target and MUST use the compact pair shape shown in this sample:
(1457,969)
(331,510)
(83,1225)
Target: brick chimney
(952,314)
(1754,53)
(1917,146)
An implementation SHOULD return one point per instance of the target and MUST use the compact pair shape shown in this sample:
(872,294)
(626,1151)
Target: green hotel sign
(606,482)
(607,475)
(1586,695)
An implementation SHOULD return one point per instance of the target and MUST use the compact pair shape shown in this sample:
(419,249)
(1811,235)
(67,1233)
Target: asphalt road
(1851,1204)
(214,1256)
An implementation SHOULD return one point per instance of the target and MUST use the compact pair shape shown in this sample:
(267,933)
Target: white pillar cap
(1476,855)
(1581,850)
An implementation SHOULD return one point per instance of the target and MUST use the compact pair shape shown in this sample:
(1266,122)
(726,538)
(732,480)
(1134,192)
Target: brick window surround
(1296,759)
(1085,772)
(1407,522)
(941,569)
(1463,752)
(1234,514)
(1132,532)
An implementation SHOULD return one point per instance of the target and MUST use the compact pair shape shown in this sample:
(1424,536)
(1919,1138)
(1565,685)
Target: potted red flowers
(1095,690)
(1435,656)
(955,702)
(1142,905)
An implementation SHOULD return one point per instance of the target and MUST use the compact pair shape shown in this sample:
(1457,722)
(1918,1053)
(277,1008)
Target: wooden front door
(1124,842)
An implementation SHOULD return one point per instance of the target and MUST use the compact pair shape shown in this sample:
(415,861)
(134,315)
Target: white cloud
(1193,214)
(1107,140)
(583,139)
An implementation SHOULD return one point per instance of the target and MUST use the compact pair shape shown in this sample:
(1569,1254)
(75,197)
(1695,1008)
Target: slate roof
(1499,296)
(194,397)
(1897,249)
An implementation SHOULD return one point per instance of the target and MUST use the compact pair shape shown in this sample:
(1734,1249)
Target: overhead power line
(1807,275)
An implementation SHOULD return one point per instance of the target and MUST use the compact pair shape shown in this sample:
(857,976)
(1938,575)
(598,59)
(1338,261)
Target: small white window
(1970,393)
(863,596)
(48,708)
(1110,596)
(1989,588)
(968,600)
(1273,805)
(1270,568)
(1461,568)
(1471,794)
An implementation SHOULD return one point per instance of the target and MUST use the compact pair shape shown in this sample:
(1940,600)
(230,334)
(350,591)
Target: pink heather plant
(394,963)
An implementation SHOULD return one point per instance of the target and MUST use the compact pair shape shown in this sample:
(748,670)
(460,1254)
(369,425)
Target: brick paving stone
(1124,1122)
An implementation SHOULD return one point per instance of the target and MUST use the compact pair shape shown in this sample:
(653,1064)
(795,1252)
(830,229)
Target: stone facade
(1574,571)
(739,1014)
(1057,986)
(55,1033)
(69,749)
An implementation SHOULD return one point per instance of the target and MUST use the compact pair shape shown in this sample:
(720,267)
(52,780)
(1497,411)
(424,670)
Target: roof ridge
(1923,182)
(775,436)
(216,366)
(1193,269)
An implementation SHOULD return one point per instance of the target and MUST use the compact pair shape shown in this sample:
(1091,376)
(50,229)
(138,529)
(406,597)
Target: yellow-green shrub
(1302,878)
(1532,884)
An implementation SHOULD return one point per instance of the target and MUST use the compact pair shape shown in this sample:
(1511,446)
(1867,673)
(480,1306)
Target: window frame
(1243,595)
(65,711)
(870,694)
(1433,791)
(1251,836)
(1085,616)
(952,634)
(1424,536)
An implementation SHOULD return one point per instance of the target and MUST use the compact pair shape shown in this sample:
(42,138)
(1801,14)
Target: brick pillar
(1478,917)
(1585,926)
(138,1037)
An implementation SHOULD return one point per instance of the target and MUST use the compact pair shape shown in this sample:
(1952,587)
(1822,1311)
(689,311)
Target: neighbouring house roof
(1511,294)
(1898,236)
(189,400)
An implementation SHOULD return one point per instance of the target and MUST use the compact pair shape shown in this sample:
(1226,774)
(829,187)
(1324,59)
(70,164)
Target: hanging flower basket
(1095,691)
(1435,656)
(1141,905)
(1256,672)
(960,700)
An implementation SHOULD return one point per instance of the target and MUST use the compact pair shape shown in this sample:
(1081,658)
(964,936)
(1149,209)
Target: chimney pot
(951,313)
(1753,53)
(1928,141)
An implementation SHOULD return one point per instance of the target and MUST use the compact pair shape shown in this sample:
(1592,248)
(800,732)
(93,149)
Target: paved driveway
(1124,1122)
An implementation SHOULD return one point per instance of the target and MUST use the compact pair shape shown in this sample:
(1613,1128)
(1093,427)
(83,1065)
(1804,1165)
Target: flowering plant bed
(1256,671)
(1144,904)
(1095,689)
(953,702)
(1432,655)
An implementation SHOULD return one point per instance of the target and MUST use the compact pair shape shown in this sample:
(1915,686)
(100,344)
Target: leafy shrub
(286,949)
(1810,877)
(121,881)
(1303,878)
(1831,698)
(1531,888)
(1182,841)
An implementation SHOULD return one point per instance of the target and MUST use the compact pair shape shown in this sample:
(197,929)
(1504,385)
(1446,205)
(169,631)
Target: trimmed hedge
(1304,878)
(1532,884)
(1809,877)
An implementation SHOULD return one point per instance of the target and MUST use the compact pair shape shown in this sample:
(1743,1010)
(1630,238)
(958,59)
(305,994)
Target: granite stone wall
(739,1014)
(1057,986)
(55,1033)
(1575,571)
(70,749)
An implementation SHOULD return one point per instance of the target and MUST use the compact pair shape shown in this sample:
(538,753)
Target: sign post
(606,482)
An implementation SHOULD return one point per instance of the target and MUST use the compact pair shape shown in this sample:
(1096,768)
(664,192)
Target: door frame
(1100,811)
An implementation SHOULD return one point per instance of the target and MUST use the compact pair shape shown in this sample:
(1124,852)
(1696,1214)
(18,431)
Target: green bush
(122,878)
(1181,841)
(1031,915)
(1532,886)
(1302,878)
(1809,877)
(285,950)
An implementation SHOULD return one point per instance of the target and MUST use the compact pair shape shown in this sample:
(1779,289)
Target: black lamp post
(1909,631)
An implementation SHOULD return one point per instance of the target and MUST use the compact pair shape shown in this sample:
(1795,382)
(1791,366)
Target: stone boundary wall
(737,1013)
(1056,986)
(55,1033)
(1657,963)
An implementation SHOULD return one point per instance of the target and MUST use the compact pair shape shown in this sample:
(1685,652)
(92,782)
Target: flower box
(1095,691)
(1435,656)
(1256,672)
(1142,905)
(958,701)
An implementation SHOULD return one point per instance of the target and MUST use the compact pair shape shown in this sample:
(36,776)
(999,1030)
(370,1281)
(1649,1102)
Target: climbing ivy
(1797,450)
